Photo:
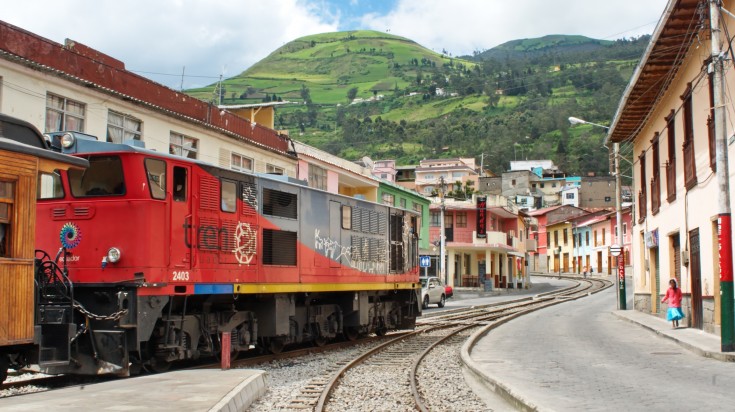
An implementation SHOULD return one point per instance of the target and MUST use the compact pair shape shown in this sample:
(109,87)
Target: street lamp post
(618,212)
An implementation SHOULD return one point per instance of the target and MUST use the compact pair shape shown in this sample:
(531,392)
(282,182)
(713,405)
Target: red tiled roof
(91,68)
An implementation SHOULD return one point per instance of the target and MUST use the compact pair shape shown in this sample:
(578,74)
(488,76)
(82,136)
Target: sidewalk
(702,343)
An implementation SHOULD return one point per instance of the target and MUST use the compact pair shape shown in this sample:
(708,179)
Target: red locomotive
(164,254)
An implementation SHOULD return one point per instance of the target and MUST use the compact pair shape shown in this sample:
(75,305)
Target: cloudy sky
(205,38)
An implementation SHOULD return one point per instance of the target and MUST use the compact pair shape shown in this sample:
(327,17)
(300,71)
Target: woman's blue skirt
(674,314)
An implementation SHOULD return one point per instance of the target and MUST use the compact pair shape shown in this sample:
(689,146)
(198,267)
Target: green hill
(329,65)
(384,96)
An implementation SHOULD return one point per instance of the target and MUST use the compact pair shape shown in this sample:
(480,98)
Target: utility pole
(724,223)
(619,218)
(442,239)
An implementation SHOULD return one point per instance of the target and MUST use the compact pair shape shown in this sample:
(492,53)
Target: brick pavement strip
(578,356)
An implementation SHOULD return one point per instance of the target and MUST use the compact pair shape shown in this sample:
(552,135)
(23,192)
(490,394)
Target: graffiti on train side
(346,254)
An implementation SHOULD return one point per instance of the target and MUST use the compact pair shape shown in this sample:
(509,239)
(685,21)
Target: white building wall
(24,96)
(696,208)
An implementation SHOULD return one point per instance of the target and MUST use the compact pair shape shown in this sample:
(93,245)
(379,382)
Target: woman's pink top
(674,297)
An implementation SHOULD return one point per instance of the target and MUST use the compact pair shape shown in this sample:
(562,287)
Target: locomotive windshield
(103,178)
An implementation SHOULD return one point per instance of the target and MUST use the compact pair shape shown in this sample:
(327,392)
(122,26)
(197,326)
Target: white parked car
(432,291)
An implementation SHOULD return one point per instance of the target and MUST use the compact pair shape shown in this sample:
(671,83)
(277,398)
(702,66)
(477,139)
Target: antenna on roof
(183,70)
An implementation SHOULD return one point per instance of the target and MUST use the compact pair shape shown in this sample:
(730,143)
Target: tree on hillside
(305,94)
(351,94)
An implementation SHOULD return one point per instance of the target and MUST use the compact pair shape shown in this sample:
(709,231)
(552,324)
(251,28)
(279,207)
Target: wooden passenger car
(24,158)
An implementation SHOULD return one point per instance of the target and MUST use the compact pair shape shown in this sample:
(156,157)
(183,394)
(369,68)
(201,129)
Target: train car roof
(87,146)
(17,147)
(21,131)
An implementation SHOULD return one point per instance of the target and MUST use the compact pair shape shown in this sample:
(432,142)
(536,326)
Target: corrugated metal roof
(680,24)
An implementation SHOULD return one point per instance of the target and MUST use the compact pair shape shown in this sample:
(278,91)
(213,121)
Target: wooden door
(696,276)
(566,262)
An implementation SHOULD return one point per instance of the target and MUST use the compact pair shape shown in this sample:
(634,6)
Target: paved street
(578,356)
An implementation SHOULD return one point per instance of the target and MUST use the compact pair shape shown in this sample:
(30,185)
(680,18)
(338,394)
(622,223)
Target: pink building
(475,254)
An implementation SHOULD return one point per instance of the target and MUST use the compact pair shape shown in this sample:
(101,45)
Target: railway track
(393,366)
(394,360)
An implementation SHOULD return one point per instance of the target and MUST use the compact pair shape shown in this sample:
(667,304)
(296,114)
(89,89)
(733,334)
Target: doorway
(696,275)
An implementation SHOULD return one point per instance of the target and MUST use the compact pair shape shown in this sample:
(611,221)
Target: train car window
(179,184)
(7,197)
(279,247)
(346,217)
(228,195)
(49,186)
(282,204)
(156,171)
(104,177)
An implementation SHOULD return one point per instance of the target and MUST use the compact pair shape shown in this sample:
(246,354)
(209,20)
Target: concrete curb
(720,356)
(243,395)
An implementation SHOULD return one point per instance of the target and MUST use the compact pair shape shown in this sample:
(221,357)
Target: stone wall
(642,303)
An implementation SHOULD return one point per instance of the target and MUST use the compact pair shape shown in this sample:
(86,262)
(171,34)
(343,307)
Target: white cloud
(462,26)
(208,37)
(165,35)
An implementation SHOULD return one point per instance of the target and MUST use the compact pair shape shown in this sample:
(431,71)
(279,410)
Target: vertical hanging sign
(481,216)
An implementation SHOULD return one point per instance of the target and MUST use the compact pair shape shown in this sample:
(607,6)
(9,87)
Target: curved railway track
(394,360)
(395,364)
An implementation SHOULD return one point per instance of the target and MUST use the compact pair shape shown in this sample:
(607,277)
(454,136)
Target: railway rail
(394,365)
(393,360)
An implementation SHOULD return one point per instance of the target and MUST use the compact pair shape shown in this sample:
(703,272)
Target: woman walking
(673,295)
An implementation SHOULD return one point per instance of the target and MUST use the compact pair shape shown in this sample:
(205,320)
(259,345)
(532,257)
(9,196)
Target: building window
(671,162)
(587,238)
(64,114)
(655,180)
(274,170)
(435,219)
(690,167)
(403,203)
(241,163)
(603,236)
(548,240)
(566,239)
(570,196)
(388,199)
(595,237)
(513,182)
(7,198)
(418,207)
(625,228)
(121,127)
(317,177)
(542,185)
(608,199)
(184,146)
(461,218)
(556,238)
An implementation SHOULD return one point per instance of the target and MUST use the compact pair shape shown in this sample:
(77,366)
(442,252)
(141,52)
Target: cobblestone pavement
(578,356)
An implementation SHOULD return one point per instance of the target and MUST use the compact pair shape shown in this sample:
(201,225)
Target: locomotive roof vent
(134,143)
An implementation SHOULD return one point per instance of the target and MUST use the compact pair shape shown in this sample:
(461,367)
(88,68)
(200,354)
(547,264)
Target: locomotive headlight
(67,140)
(113,255)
